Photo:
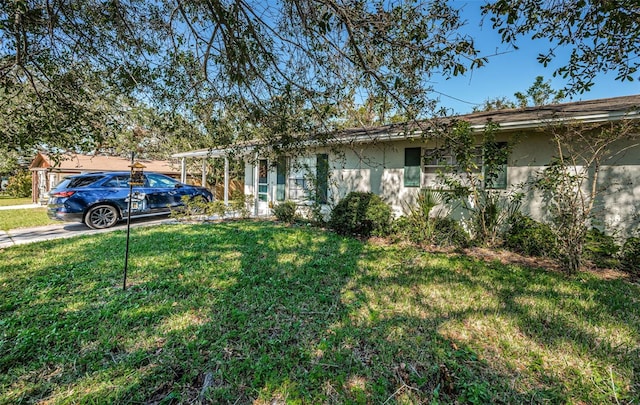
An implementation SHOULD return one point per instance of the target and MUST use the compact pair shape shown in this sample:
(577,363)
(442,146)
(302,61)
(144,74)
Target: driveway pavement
(68,230)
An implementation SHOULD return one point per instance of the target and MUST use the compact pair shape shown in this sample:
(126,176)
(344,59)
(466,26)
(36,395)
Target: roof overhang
(506,120)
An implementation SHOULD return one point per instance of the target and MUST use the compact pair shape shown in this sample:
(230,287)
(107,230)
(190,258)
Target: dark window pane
(262,171)
(322,178)
(412,167)
(78,182)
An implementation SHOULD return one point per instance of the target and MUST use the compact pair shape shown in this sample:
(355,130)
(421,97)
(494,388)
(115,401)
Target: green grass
(24,218)
(5,201)
(261,313)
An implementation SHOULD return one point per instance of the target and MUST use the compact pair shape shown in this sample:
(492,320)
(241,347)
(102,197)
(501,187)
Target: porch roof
(589,111)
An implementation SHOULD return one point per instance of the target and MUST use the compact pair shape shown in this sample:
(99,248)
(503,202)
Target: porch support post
(226,180)
(256,173)
(183,171)
(203,180)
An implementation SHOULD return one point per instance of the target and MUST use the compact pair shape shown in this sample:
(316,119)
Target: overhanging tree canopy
(72,71)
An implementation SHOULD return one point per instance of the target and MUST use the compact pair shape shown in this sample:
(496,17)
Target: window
(84,181)
(263,185)
(489,164)
(412,167)
(157,180)
(322,178)
(118,182)
(299,182)
(281,178)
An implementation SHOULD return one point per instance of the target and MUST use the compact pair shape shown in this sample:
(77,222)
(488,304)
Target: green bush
(360,213)
(449,232)
(630,256)
(242,204)
(441,232)
(601,249)
(19,185)
(527,236)
(285,211)
(419,225)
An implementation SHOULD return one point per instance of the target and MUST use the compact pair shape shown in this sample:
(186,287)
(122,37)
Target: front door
(263,187)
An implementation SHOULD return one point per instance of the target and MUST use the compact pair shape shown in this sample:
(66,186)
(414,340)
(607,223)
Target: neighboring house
(47,172)
(395,163)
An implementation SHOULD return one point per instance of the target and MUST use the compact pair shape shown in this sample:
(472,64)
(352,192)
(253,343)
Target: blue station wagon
(100,200)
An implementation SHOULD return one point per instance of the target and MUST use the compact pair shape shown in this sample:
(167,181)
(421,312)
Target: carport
(205,154)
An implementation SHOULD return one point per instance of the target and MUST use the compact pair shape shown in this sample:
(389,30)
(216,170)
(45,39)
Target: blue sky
(512,71)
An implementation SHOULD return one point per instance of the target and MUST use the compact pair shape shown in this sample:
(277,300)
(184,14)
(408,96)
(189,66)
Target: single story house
(395,161)
(47,172)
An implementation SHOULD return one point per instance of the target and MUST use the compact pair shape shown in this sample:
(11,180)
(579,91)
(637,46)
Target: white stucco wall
(379,168)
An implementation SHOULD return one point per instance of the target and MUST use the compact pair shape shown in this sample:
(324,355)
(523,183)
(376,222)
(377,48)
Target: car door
(163,193)
(116,190)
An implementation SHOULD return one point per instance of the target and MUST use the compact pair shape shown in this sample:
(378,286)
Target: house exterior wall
(379,168)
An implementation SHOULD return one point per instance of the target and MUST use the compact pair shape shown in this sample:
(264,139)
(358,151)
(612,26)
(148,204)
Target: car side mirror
(178,185)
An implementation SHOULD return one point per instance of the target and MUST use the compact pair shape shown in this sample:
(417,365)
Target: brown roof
(589,111)
(600,110)
(604,108)
(76,163)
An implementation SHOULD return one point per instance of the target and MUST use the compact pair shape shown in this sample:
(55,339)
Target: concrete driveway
(68,230)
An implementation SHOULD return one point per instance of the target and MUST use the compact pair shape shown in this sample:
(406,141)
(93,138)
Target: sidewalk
(22,236)
(21,207)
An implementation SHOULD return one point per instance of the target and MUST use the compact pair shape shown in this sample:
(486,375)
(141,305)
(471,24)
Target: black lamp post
(136,179)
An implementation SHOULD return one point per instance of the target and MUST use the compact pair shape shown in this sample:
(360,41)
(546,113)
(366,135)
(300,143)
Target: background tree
(603,36)
(71,71)
(540,93)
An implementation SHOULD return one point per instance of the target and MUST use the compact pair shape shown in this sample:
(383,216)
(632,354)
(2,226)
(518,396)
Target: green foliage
(471,179)
(242,204)
(604,36)
(449,232)
(285,211)
(490,215)
(19,184)
(529,237)
(571,184)
(540,93)
(600,248)
(421,227)
(362,214)
(569,216)
(417,225)
(630,256)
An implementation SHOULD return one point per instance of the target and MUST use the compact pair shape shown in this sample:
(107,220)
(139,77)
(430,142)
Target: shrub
(601,249)
(217,207)
(19,185)
(419,225)
(442,232)
(630,256)
(242,204)
(285,211)
(362,214)
(449,232)
(527,236)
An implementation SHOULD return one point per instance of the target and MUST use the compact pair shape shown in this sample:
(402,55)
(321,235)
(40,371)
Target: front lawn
(24,218)
(6,200)
(248,312)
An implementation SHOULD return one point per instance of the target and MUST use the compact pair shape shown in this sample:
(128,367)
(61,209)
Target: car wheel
(198,204)
(101,216)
